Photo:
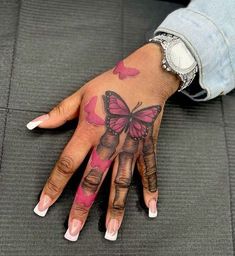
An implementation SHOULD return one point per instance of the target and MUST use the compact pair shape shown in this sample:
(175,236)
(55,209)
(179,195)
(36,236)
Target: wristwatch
(176,58)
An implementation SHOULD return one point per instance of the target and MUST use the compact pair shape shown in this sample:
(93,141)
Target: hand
(119,113)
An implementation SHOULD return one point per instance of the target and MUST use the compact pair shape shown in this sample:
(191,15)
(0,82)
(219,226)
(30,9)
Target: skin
(121,149)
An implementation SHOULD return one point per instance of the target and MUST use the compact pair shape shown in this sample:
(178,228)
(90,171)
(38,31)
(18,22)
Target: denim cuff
(209,47)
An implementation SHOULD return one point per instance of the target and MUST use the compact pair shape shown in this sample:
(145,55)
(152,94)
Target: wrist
(159,82)
(164,82)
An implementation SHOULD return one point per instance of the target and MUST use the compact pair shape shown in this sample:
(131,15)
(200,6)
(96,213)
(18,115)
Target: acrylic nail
(42,207)
(37,121)
(73,231)
(152,208)
(112,230)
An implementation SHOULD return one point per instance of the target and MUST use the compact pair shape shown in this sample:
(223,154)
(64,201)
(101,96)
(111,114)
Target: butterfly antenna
(137,105)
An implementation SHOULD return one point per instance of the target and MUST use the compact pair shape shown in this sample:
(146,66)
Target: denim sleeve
(208,29)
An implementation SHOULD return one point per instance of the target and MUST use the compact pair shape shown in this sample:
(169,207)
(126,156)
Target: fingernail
(152,208)
(112,230)
(42,207)
(73,231)
(35,122)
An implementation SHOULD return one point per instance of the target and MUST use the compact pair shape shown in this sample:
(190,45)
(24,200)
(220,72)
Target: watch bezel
(167,54)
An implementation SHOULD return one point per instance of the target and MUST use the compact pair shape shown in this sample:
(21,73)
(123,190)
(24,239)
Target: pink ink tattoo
(137,123)
(86,192)
(91,116)
(83,198)
(97,162)
(123,71)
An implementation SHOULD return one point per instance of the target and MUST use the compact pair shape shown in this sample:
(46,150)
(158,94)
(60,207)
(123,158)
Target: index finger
(69,160)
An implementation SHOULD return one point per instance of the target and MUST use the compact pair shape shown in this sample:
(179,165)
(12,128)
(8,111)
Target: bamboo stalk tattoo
(137,124)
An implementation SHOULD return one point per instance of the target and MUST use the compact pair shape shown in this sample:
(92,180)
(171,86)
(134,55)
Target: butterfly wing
(147,115)
(90,106)
(91,116)
(123,71)
(137,130)
(142,119)
(117,112)
(118,68)
(115,105)
(131,71)
(94,119)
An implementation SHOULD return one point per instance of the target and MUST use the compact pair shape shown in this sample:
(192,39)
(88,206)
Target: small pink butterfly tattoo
(119,118)
(123,71)
(91,116)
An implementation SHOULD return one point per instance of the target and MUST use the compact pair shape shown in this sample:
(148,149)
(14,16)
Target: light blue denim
(208,29)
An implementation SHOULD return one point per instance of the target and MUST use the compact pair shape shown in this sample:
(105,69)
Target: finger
(121,180)
(146,164)
(69,160)
(150,198)
(92,179)
(66,110)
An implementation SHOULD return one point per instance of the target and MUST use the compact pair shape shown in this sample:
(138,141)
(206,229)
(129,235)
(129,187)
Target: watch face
(179,57)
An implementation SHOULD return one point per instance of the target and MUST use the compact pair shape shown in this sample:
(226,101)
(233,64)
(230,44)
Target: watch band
(167,41)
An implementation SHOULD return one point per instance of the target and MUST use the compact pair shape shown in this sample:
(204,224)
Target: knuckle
(52,187)
(79,210)
(153,189)
(119,207)
(123,182)
(116,211)
(65,165)
(60,109)
(119,201)
(150,171)
(152,182)
(92,181)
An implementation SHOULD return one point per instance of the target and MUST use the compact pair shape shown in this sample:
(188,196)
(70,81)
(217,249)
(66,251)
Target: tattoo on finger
(136,124)
(149,158)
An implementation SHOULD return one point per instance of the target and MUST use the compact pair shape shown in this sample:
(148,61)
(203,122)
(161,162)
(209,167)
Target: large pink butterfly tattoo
(119,118)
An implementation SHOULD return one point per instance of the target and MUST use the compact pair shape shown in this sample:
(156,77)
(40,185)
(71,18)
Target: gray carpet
(48,50)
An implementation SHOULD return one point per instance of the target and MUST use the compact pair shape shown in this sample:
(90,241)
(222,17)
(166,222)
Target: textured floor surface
(48,49)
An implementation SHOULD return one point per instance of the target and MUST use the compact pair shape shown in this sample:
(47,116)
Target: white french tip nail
(40,213)
(37,121)
(69,237)
(33,124)
(110,237)
(152,214)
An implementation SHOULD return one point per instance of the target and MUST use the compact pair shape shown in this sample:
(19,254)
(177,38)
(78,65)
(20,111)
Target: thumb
(66,110)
